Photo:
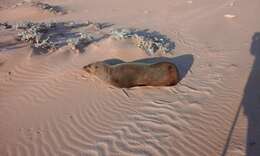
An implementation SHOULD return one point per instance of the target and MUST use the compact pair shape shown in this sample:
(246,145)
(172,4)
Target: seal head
(99,69)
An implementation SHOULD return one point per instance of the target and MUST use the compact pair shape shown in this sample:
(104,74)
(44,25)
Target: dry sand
(49,106)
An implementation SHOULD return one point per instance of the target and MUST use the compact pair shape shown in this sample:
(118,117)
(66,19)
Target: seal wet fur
(126,75)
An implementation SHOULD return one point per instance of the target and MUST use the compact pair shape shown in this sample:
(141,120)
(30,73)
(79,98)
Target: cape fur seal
(126,75)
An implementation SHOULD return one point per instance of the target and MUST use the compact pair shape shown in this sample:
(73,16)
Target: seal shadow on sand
(183,62)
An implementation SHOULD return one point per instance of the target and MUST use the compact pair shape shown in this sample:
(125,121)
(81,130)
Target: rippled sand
(50,106)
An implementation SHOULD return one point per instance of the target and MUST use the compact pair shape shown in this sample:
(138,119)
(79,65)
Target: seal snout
(87,68)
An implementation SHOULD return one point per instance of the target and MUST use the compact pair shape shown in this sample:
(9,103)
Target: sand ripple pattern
(82,116)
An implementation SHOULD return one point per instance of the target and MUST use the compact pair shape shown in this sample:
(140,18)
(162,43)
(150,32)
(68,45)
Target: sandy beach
(49,106)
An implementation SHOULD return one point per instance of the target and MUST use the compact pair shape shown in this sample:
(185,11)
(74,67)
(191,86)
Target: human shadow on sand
(251,104)
(251,100)
(183,62)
